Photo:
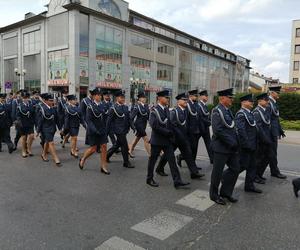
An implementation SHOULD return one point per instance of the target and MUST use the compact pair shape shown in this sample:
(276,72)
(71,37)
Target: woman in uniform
(47,124)
(73,119)
(139,117)
(96,131)
(25,121)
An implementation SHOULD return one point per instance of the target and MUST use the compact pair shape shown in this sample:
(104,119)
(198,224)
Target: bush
(289,104)
(290,125)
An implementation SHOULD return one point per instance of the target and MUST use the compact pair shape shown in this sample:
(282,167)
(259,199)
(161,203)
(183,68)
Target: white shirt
(163,108)
(262,107)
(272,99)
(204,103)
(181,108)
(142,104)
(247,110)
(97,103)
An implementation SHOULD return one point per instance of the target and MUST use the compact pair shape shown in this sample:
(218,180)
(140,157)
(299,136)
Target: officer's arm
(220,131)
(155,125)
(133,113)
(240,122)
(201,122)
(110,119)
(14,111)
(89,121)
(39,122)
(261,133)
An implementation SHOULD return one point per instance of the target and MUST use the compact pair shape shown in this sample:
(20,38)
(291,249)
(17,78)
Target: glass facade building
(103,43)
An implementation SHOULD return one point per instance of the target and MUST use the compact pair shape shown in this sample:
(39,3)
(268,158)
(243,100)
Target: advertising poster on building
(58,68)
(84,70)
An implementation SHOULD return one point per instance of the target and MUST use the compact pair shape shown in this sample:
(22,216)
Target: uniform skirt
(97,140)
(73,132)
(48,137)
(140,131)
(26,130)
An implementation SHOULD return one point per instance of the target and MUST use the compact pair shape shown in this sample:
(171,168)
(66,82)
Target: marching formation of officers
(247,141)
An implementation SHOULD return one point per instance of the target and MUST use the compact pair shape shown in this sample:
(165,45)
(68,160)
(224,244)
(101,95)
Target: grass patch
(290,125)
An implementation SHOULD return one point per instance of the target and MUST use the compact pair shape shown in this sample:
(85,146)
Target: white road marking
(199,200)
(163,225)
(116,243)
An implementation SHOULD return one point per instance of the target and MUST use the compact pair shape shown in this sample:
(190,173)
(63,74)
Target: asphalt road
(45,207)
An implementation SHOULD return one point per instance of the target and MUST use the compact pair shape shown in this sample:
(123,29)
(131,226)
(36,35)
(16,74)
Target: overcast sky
(256,29)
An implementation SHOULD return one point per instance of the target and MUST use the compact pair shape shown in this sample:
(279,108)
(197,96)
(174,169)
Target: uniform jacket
(263,122)
(73,117)
(276,129)
(84,105)
(139,116)
(160,123)
(61,112)
(119,117)
(224,138)
(14,106)
(179,124)
(206,118)
(193,118)
(47,119)
(5,115)
(95,119)
(26,115)
(246,129)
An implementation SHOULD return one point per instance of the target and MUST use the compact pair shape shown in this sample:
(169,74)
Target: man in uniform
(120,117)
(263,123)
(5,124)
(14,106)
(61,103)
(178,117)
(276,131)
(195,126)
(161,140)
(225,150)
(203,99)
(247,135)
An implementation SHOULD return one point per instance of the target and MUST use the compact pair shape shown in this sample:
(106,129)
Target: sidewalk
(292,137)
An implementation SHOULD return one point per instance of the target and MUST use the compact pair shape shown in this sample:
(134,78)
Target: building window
(140,41)
(142,24)
(109,48)
(298,32)
(295,80)
(165,49)
(84,50)
(164,73)
(32,79)
(32,42)
(297,49)
(296,65)
(110,7)
(183,39)
(10,46)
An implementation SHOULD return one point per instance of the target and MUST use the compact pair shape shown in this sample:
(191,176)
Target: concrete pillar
(74,64)
(44,55)
(126,64)
(92,53)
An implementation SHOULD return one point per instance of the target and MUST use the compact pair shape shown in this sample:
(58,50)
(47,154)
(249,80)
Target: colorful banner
(58,62)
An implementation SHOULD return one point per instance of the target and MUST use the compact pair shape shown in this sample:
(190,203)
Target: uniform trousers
(121,142)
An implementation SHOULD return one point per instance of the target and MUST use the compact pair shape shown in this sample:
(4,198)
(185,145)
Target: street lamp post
(20,74)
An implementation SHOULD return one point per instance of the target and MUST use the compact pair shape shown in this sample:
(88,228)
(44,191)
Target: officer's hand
(283,134)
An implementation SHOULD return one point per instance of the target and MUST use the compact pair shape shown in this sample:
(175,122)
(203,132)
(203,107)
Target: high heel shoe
(131,155)
(74,155)
(80,166)
(105,172)
(58,164)
(44,160)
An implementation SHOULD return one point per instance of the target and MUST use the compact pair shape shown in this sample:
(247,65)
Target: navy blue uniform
(276,132)
(178,119)
(25,118)
(119,116)
(73,119)
(139,116)
(85,103)
(96,127)
(194,126)
(161,140)
(247,135)
(107,106)
(5,124)
(263,122)
(206,121)
(61,107)
(14,106)
(47,122)
(225,150)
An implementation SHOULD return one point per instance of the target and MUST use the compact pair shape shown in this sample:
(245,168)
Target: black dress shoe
(11,150)
(219,201)
(279,176)
(80,166)
(58,164)
(105,172)
(230,198)
(258,180)
(178,161)
(128,165)
(253,190)
(182,185)
(197,175)
(296,189)
(161,173)
(152,183)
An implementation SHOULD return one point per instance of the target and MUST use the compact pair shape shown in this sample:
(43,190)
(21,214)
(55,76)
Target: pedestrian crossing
(166,223)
